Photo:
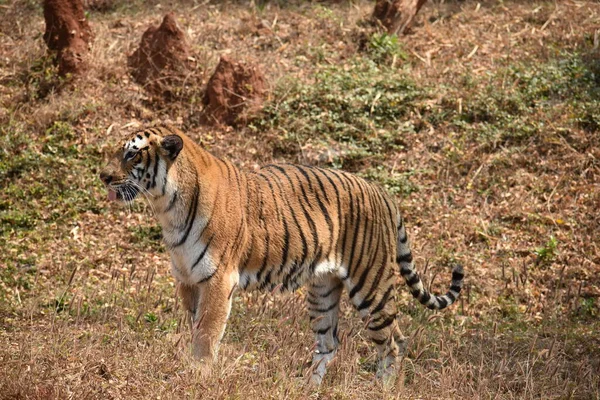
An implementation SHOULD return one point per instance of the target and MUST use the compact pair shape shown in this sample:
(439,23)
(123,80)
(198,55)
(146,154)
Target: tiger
(278,227)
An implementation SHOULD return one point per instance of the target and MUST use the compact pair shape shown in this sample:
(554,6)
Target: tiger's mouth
(123,193)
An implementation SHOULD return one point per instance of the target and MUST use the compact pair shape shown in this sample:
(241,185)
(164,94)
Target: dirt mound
(68,33)
(396,15)
(162,56)
(235,91)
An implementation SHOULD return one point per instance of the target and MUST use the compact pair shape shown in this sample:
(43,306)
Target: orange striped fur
(280,226)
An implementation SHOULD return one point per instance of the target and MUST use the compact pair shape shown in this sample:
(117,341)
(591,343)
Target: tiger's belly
(287,277)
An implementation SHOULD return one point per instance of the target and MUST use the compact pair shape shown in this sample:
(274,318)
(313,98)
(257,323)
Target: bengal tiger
(281,226)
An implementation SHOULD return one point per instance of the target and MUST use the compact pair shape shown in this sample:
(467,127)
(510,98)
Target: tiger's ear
(171,145)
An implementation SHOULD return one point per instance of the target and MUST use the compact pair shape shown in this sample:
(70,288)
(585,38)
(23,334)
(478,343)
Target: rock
(68,34)
(396,15)
(162,56)
(234,91)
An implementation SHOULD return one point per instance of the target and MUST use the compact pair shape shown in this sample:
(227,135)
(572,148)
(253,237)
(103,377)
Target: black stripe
(369,298)
(266,256)
(405,258)
(391,214)
(413,280)
(383,300)
(270,186)
(379,342)
(278,182)
(339,213)
(286,244)
(367,269)
(313,302)
(164,187)
(319,181)
(457,289)
(201,255)
(191,217)
(146,164)
(451,296)
(324,310)
(322,331)
(374,283)
(403,239)
(156,161)
(207,277)
(309,219)
(457,276)
(323,208)
(172,202)
(443,303)
(328,293)
(387,322)
(156,131)
(358,220)
(384,263)
(368,221)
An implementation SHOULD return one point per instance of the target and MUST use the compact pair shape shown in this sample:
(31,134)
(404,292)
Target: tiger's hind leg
(377,307)
(323,307)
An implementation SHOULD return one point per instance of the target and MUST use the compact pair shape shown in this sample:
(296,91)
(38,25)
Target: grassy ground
(484,121)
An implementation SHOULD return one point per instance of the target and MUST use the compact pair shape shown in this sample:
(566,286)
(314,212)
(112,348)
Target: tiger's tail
(407,270)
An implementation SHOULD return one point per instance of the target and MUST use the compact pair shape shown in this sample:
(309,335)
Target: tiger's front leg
(210,316)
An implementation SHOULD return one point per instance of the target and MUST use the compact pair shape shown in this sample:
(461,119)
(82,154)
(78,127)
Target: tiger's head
(141,164)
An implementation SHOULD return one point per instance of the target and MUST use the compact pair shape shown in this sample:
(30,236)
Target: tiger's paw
(315,380)
(203,369)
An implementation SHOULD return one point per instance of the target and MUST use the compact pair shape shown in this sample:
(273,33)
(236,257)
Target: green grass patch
(515,104)
(147,237)
(46,179)
(360,103)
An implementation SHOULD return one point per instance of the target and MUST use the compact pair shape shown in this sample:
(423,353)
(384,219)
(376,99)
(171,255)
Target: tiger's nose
(106,177)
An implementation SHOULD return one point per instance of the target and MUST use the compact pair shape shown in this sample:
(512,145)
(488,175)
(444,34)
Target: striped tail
(407,270)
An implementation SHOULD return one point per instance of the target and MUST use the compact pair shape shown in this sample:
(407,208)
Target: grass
(490,150)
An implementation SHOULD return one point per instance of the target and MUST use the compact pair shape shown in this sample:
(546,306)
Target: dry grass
(495,156)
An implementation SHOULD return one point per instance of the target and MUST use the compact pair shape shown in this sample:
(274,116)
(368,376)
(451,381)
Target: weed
(384,48)
(395,183)
(150,317)
(548,252)
(147,237)
(514,102)
(588,308)
(361,103)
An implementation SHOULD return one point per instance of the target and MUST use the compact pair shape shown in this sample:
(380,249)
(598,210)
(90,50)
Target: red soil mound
(161,57)
(235,91)
(68,33)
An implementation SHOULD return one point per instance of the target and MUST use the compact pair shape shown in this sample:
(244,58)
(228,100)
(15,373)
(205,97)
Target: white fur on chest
(192,262)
